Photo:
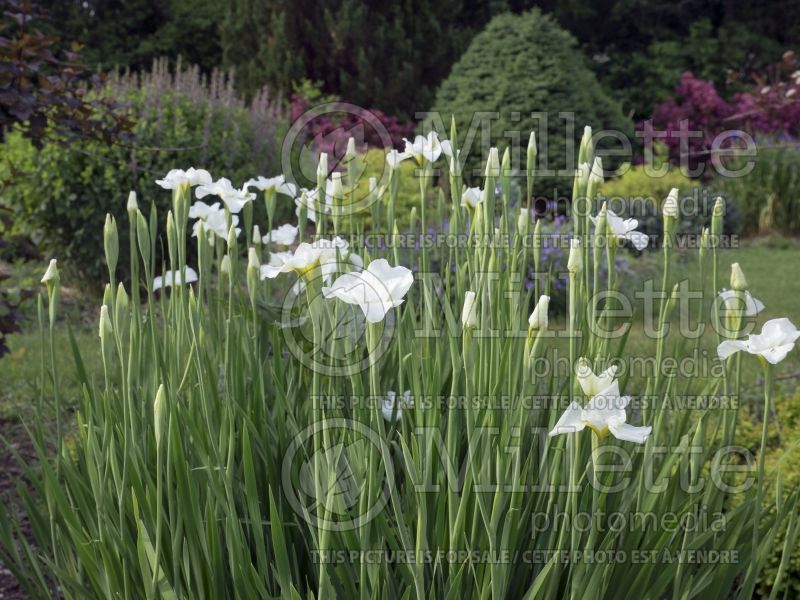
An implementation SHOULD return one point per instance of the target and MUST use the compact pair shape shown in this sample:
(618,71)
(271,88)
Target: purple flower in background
(698,107)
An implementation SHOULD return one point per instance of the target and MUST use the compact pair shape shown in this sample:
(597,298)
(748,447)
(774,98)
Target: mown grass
(21,368)
(771,267)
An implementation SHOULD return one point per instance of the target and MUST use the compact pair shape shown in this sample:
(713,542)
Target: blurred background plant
(769,195)
(10,318)
(59,194)
(770,109)
(393,57)
(43,85)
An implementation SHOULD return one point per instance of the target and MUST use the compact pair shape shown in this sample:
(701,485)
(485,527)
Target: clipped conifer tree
(524,73)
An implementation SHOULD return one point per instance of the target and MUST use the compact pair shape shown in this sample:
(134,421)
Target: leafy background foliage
(39,84)
(638,48)
(180,118)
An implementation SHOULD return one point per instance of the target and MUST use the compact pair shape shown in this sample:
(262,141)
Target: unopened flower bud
(493,163)
(133,206)
(738,281)
(51,274)
(531,156)
(523,220)
(121,307)
(575,261)
(322,167)
(143,237)
(337,190)
(232,235)
(159,413)
(670,215)
(505,165)
(538,318)
(105,323)
(253,261)
(253,272)
(717,216)
(537,244)
(225,265)
(586,148)
(670,208)
(350,153)
(111,242)
(583,173)
(469,314)
(172,237)
(596,173)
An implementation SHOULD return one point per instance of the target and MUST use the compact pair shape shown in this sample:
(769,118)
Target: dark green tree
(639,48)
(133,33)
(387,55)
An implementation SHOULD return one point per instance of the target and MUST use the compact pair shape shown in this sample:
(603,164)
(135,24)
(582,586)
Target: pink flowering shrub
(329,132)
(772,110)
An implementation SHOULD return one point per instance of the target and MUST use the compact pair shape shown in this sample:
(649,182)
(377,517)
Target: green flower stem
(762,452)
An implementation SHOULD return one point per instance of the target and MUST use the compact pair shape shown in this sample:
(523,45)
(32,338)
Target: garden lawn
(772,268)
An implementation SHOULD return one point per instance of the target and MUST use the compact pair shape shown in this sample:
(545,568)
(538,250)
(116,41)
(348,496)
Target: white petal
(778,353)
(391,410)
(629,433)
(287,189)
(590,383)
(394,158)
(629,225)
(471,197)
(376,290)
(355,260)
(570,421)
(728,347)
(606,407)
(374,312)
(779,331)
(396,280)
(201,210)
(284,235)
(638,239)
(270,272)
(198,176)
(754,305)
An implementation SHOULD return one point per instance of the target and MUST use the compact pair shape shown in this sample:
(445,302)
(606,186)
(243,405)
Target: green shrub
(769,196)
(638,182)
(639,194)
(59,194)
(524,64)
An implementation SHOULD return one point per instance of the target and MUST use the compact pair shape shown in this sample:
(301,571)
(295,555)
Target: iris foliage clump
(313,416)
